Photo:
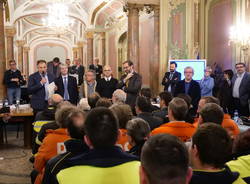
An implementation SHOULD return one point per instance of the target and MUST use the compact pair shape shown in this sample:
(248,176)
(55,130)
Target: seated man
(241,151)
(53,143)
(124,114)
(74,146)
(211,113)
(92,100)
(146,92)
(143,111)
(165,98)
(210,150)
(227,122)
(105,163)
(177,111)
(138,133)
(164,160)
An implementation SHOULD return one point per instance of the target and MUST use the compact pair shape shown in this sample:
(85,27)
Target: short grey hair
(63,65)
(188,67)
(120,95)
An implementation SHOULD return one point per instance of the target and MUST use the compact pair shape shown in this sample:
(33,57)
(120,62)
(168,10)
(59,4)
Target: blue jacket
(207,85)
(37,90)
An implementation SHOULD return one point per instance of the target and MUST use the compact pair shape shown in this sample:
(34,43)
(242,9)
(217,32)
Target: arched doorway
(122,52)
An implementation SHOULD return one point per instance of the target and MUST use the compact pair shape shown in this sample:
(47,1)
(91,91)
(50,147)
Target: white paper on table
(51,88)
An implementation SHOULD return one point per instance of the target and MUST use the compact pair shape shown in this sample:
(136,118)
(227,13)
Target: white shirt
(236,88)
(107,78)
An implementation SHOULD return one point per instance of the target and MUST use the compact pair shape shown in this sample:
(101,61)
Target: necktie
(66,93)
(171,76)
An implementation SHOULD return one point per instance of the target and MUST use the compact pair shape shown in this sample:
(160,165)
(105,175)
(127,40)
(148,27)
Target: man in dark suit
(78,69)
(107,85)
(53,67)
(171,78)
(97,68)
(241,89)
(38,86)
(66,85)
(190,87)
(130,82)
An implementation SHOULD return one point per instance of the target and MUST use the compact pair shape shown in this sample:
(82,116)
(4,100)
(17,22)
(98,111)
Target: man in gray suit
(241,89)
(53,67)
(130,82)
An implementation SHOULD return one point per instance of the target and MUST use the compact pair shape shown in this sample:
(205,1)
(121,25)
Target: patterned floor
(14,165)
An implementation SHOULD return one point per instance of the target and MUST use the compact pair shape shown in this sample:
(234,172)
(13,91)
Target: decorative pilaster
(20,44)
(103,46)
(75,52)
(90,43)
(80,50)
(26,50)
(10,33)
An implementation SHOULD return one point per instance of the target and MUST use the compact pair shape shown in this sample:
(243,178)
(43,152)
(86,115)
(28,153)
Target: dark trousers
(242,110)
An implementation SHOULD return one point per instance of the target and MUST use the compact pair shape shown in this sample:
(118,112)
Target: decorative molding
(20,43)
(89,35)
(10,31)
(80,43)
(26,49)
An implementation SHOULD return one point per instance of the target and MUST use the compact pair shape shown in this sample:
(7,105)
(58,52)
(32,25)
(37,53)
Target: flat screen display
(198,66)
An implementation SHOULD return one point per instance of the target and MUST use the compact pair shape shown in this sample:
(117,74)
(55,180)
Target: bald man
(107,85)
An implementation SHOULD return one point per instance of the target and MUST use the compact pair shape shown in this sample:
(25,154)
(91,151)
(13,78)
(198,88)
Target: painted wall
(49,52)
(112,52)
(220,18)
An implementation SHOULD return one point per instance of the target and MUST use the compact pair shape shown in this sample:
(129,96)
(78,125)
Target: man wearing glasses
(13,81)
(241,89)
(107,85)
(189,87)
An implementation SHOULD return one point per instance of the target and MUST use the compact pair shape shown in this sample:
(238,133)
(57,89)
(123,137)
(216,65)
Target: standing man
(107,85)
(78,69)
(67,85)
(171,78)
(241,89)
(130,82)
(53,67)
(13,81)
(38,86)
(89,85)
(189,87)
(68,63)
(97,68)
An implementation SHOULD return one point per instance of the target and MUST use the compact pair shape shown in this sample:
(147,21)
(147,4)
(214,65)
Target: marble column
(75,52)
(10,33)
(155,63)
(103,43)
(133,34)
(80,51)
(90,49)
(2,50)
(20,44)
(26,50)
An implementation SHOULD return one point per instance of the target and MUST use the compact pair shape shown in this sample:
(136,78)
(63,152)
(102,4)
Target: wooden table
(27,118)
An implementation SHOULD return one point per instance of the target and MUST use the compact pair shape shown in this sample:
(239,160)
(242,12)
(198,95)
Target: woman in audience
(225,92)
(241,151)
(124,114)
(207,83)
(138,132)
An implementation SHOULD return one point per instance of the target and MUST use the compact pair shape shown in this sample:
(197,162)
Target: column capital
(10,31)
(3,1)
(80,43)
(89,34)
(133,8)
(20,43)
(75,49)
(26,48)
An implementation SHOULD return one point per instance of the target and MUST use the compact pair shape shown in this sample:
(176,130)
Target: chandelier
(58,19)
(60,1)
(240,35)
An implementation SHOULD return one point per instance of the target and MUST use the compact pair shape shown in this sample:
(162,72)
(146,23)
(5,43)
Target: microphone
(43,74)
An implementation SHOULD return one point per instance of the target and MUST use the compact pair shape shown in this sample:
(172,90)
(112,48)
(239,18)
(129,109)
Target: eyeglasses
(107,70)
(12,64)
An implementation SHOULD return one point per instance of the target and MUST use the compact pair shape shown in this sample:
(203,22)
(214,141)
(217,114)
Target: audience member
(130,82)
(53,143)
(212,113)
(97,68)
(189,87)
(143,111)
(124,113)
(119,97)
(74,146)
(84,105)
(13,80)
(68,63)
(138,132)
(146,92)
(53,67)
(92,100)
(104,158)
(191,112)
(77,69)
(66,85)
(171,78)
(241,89)
(225,92)
(241,151)
(107,85)
(88,86)
(103,102)
(164,159)
(177,111)
(210,150)
(165,99)
(38,87)
(207,83)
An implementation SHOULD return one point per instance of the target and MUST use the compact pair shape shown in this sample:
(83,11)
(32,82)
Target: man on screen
(171,78)
(190,87)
